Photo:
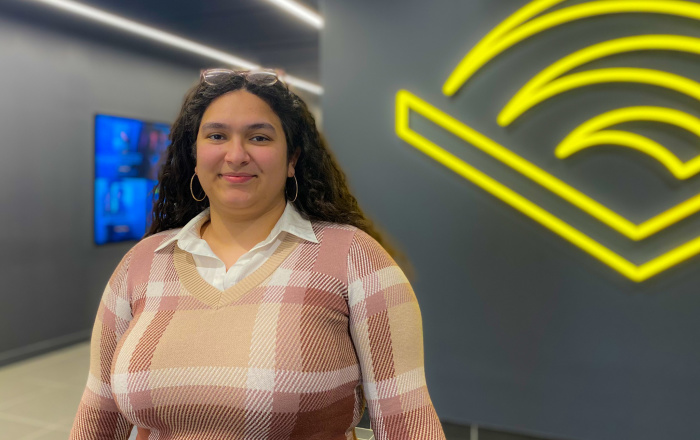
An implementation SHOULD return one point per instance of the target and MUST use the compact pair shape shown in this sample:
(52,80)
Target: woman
(260,305)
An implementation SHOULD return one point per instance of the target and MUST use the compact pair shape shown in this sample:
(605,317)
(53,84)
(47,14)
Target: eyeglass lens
(216,76)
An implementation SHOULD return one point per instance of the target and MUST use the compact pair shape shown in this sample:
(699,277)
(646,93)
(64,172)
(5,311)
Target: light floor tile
(68,368)
(21,389)
(364,434)
(47,434)
(16,430)
(23,420)
(46,388)
(51,407)
(79,353)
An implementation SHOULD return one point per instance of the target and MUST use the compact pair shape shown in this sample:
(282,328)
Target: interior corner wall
(523,330)
(52,85)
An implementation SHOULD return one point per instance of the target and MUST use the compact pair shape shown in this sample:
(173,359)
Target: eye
(216,137)
(260,138)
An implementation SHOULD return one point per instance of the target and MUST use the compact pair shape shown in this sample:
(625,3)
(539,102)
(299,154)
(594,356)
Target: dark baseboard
(29,351)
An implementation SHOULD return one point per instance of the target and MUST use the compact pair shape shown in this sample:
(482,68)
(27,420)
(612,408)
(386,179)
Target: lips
(237,177)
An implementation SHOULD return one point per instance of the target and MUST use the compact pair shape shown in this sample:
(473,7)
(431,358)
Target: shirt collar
(291,221)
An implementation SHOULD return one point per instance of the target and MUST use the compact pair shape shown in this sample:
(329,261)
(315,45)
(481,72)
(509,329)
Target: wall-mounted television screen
(128,155)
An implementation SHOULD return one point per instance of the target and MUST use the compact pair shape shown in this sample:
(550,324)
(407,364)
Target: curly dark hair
(323,190)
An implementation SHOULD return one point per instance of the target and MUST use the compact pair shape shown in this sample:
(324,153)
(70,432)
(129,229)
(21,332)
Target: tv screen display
(128,155)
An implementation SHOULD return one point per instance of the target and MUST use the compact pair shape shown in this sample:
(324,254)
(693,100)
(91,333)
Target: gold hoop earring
(296,184)
(192,192)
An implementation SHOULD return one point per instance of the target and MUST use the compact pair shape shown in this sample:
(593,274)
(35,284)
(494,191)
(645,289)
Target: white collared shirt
(213,269)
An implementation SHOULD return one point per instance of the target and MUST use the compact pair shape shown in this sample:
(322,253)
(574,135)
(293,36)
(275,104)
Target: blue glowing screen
(128,156)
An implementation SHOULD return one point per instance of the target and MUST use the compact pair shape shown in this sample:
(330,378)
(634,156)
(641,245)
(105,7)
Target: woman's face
(242,154)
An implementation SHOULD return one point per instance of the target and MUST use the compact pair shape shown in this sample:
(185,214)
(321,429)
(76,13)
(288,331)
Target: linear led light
(300,11)
(169,39)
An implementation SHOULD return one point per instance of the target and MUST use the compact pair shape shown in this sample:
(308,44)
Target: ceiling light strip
(300,11)
(169,39)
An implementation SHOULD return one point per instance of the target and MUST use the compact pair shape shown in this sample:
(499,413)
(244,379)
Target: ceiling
(255,30)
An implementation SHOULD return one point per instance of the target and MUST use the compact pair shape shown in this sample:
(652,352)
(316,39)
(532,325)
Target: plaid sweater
(293,351)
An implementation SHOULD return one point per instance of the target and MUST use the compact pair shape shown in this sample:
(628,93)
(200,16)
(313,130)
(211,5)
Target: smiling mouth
(236,179)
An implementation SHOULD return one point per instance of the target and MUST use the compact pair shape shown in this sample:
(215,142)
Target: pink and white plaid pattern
(293,351)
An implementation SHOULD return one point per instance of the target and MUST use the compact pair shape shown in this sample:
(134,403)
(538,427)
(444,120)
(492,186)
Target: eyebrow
(222,126)
(261,126)
(215,126)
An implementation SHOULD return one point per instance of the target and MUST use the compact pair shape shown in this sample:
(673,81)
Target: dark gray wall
(523,331)
(52,83)
(57,72)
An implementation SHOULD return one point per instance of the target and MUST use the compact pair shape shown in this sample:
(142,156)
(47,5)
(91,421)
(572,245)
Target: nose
(236,151)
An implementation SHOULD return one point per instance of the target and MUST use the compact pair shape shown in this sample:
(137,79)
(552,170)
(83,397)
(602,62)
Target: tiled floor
(39,398)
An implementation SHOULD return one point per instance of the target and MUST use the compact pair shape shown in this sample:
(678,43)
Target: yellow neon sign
(546,85)
(551,82)
(591,133)
(406,101)
(510,32)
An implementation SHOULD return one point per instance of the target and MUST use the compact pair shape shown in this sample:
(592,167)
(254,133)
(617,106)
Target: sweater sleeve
(98,416)
(386,328)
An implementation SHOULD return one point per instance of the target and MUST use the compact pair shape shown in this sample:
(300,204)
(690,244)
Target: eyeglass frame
(247,74)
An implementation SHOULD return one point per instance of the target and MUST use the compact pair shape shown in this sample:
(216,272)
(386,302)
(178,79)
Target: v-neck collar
(215,298)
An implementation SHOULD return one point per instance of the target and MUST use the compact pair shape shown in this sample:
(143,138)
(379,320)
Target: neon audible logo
(554,80)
